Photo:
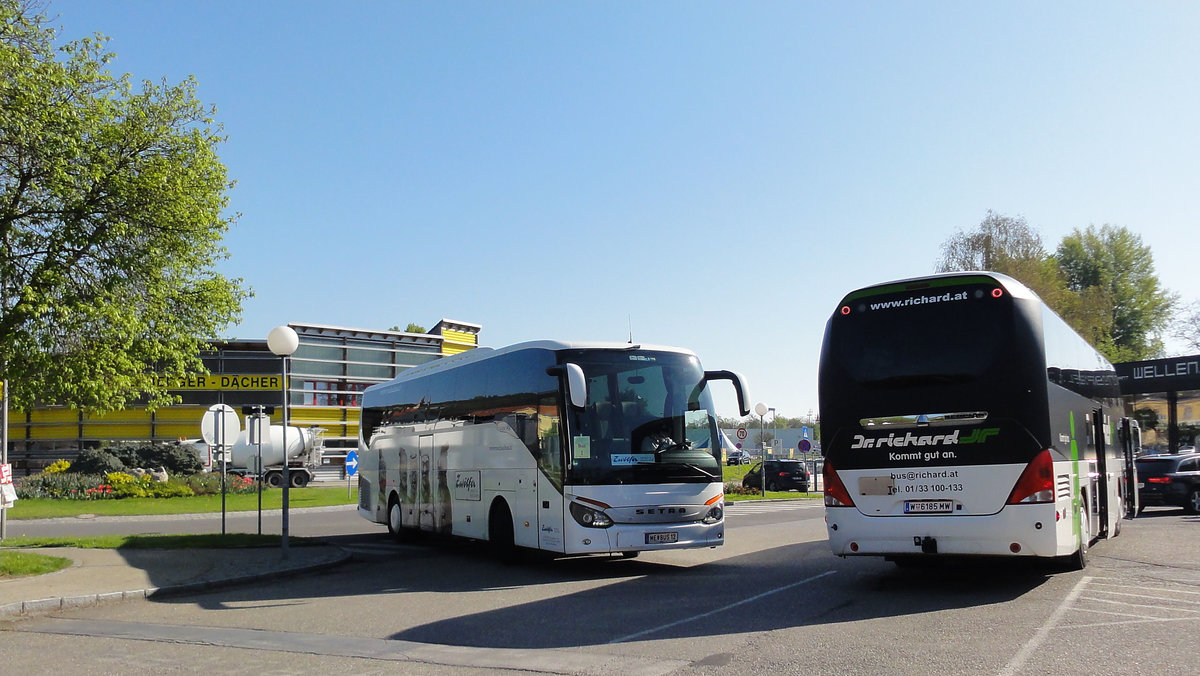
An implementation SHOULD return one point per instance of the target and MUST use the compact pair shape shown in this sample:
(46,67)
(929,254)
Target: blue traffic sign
(351,463)
(805,446)
(804,432)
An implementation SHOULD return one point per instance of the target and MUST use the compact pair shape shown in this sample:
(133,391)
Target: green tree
(111,219)
(1187,327)
(411,328)
(1116,268)
(1012,247)
(1101,282)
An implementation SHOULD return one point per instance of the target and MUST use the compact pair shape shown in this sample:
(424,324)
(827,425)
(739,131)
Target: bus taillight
(836,494)
(1036,483)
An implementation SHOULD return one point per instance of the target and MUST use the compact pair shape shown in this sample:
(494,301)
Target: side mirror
(576,383)
(739,386)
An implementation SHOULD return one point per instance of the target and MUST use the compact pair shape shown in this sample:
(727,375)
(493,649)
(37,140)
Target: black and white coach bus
(961,416)
(570,448)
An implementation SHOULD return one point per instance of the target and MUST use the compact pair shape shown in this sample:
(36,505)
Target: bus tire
(395,520)
(500,533)
(1078,560)
(1192,506)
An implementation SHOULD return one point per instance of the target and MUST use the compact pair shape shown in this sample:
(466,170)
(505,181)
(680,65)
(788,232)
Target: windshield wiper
(688,465)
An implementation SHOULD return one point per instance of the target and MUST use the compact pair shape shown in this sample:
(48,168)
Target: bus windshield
(645,421)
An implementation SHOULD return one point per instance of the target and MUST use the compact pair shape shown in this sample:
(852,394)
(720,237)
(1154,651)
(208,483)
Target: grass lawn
(736,473)
(20,564)
(207,541)
(312,496)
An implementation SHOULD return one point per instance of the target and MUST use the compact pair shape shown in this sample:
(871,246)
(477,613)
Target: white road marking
(1032,644)
(718,610)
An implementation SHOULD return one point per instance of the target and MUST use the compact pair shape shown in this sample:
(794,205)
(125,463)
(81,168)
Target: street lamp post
(283,341)
(761,409)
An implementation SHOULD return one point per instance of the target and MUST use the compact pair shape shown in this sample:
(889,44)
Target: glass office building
(1163,395)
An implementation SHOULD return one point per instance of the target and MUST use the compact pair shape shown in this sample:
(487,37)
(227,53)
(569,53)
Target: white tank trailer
(303,454)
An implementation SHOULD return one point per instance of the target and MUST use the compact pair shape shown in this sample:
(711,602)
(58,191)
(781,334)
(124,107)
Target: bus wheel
(500,533)
(629,555)
(1193,502)
(395,522)
(1078,560)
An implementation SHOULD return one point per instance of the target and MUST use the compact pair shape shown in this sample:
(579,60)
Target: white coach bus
(960,416)
(569,448)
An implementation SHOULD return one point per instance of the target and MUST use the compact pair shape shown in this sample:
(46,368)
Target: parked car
(782,475)
(1169,480)
(738,457)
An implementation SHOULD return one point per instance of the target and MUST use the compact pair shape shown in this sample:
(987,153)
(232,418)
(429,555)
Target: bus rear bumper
(1017,530)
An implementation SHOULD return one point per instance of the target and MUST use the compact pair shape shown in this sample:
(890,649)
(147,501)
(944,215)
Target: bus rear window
(917,338)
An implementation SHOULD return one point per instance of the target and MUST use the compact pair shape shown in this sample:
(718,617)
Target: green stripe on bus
(1075,504)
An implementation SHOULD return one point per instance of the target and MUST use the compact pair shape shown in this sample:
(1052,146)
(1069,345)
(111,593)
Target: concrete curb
(55,603)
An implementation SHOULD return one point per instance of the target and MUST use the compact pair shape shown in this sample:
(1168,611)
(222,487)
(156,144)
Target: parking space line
(1113,612)
(1032,644)
(1117,623)
(1152,598)
(693,618)
(1165,590)
(1135,605)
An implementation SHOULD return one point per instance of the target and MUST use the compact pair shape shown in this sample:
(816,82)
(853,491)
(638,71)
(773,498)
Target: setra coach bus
(568,448)
(961,416)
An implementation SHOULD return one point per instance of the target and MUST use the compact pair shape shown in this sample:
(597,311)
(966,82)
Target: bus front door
(550,516)
(551,507)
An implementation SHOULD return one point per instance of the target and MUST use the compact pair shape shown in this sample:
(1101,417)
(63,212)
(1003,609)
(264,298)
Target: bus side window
(550,448)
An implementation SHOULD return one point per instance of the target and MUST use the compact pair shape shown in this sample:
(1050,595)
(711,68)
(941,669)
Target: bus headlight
(590,518)
(714,515)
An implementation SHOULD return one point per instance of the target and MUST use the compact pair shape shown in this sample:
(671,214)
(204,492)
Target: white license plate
(661,538)
(928,506)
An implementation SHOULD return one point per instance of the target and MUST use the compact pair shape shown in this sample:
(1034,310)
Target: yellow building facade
(325,379)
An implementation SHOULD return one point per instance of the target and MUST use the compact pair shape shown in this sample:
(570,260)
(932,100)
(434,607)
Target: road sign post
(260,419)
(351,469)
(218,425)
(804,447)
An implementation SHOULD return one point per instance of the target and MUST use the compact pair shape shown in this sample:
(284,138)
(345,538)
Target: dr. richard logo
(894,440)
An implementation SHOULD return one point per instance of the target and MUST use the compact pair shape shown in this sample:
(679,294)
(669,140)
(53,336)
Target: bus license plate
(661,538)
(928,506)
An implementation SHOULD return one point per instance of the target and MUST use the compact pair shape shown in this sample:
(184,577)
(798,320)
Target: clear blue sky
(718,175)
